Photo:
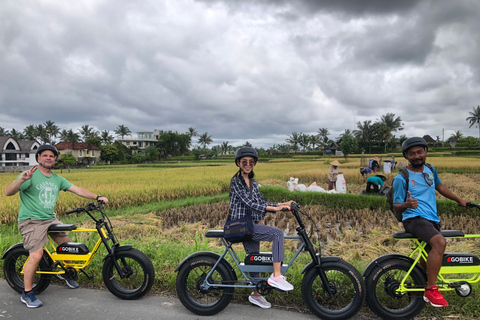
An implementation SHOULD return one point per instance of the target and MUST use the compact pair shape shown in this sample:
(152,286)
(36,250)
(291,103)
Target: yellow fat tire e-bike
(127,272)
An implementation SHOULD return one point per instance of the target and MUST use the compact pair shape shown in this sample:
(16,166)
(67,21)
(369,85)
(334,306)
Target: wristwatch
(98,197)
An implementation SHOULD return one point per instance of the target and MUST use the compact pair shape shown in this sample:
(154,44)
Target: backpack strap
(404,173)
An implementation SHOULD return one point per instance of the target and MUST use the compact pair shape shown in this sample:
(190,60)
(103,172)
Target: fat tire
(13,265)
(189,277)
(381,297)
(138,283)
(347,285)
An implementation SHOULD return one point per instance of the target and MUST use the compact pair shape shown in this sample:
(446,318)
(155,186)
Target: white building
(143,139)
(17,155)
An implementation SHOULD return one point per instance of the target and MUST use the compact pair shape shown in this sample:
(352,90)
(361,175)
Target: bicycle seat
(62,227)
(214,234)
(445,233)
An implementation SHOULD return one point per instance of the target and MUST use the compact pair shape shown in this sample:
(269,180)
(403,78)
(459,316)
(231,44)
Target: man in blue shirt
(419,208)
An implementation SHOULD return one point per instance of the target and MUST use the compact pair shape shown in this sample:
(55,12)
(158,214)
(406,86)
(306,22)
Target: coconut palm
(105,137)
(52,130)
(323,133)
(4,132)
(456,136)
(29,132)
(294,140)
(304,141)
(225,147)
(16,134)
(192,132)
(389,123)
(365,133)
(41,133)
(475,118)
(315,141)
(87,132)
(205,140)
(122,131)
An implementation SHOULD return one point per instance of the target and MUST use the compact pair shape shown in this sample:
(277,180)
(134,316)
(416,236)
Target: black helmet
(46,147)
(246,152)
(412,142)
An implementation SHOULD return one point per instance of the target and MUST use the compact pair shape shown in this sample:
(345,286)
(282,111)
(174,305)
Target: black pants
(372,187)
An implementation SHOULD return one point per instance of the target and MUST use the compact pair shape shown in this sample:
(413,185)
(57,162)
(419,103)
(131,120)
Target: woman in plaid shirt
(246,199)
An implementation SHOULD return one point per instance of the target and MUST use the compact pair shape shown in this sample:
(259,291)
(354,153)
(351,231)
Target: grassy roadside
(169,231)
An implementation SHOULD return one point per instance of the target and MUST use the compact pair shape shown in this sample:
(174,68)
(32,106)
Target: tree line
(367,135)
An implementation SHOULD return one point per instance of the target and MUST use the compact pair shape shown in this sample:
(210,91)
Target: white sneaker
(259,301)
(280,283)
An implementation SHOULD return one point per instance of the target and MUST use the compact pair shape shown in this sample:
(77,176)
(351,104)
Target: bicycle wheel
(346,284)
(205,302)
(382,283)
(13,267)
(139,271)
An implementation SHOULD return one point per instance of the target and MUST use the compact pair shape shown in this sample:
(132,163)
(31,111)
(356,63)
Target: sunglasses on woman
(247,162)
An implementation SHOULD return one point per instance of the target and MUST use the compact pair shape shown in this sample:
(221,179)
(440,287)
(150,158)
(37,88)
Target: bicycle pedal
(87,275)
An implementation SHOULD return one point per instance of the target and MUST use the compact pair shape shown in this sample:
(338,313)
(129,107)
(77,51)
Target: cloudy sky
(249,70)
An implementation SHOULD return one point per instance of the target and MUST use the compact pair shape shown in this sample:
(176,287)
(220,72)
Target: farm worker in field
(374,183)
(333,172)
(375,166)
(419,209)
(365,171)
(393,163)
(39,188)
(245,198)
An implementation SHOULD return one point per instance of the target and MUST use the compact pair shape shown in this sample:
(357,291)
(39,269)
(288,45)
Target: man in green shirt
(39,188)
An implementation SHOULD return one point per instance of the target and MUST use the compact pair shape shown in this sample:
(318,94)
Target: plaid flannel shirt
(241,203)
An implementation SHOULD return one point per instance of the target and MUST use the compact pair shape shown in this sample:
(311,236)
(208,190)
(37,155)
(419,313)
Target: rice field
(139,185)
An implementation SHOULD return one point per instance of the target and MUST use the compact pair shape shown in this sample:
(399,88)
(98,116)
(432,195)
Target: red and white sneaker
(434,297)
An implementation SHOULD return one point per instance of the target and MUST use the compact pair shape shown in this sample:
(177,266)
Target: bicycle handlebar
(89,207)
(473,205)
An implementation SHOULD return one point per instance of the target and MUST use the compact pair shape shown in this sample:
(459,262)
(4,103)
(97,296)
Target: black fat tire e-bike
(331,287)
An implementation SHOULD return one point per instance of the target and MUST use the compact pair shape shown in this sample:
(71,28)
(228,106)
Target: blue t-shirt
(419,189)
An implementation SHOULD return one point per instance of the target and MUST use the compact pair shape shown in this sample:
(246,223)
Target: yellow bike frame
(419,252)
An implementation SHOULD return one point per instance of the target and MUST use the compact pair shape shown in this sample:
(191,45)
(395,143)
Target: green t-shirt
(39,194)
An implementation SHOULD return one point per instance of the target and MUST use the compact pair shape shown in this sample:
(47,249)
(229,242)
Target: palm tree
(4,132)
(122,131)
(315,140)
(475,118)
(204,140)
(105,137)
(365,133)
(69,136)
(388,124)
(29,132)
(247,144)
(192,132)
(304,141)
(52,130)
(41,133)
(294,140)
(88,132)
(456,136)
(324,133)
(16,134)
(224,147)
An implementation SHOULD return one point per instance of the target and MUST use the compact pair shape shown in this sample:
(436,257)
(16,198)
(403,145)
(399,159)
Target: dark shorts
(422,228)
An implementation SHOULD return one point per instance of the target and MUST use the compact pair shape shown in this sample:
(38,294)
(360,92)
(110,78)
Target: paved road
(60,302)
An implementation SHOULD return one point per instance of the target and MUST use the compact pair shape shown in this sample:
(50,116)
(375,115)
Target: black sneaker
(71,283)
